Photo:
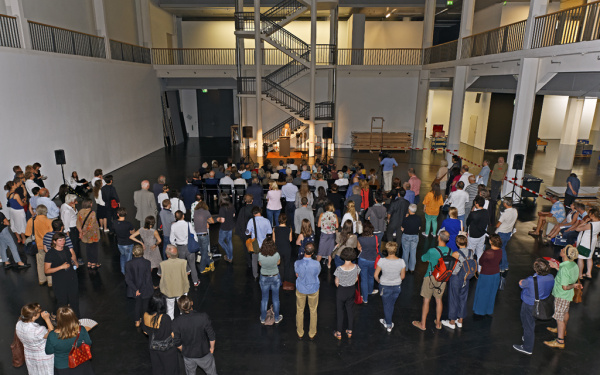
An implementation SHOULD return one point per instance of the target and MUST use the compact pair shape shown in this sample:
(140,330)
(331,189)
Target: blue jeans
(389,295)
(6,240)
(204,242)
(125,251)
(269,283)
(367,280)
(409,250)
(528,323)
(505,237)
(225,242)
(166,241)
(457,298)
(273,217)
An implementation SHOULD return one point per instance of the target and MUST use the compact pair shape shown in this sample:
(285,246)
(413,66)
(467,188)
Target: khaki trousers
(313,302)
(42,278)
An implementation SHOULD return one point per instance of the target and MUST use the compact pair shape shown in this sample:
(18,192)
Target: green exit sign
(449,2)
(204,91)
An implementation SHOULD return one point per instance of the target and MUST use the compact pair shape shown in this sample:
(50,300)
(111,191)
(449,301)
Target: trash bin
(533,183)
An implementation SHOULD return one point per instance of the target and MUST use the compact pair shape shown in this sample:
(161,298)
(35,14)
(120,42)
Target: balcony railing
(324,111)
(129,52)
(440,53)
(9,34)
(502,39)
(571,25)
(379,56)
(193,56)
(55,39)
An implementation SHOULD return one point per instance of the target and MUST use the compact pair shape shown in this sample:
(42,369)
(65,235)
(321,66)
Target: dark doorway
(215,117)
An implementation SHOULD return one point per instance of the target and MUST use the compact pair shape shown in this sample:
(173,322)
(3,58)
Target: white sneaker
(382,321)
(389,329)
(446,323)
(375,291)
(425,234)
(459,324)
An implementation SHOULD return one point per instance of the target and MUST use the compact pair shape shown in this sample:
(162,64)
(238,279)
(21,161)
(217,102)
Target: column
(521,121)
(595,131)
(423,88)
(356,37)
(313,77)
(258,47)
(179,32)
(456,110)
(466,24)
(144,27)
(100,22)
(568,139)
(333,41)
(15,8)
(240,62)
(536,8)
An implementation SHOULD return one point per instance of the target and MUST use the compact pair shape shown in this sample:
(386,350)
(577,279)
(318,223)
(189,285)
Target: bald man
(144,202)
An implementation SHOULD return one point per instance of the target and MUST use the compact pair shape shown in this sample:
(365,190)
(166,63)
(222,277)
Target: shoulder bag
(437,180)
(578,294)
(542,309)
(79,355)
(18,352)
(252,243)
(161,345)
(31,246)
(584,251)
(377,249)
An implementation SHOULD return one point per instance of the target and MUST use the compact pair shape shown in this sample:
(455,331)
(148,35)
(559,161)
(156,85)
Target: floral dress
(327,240)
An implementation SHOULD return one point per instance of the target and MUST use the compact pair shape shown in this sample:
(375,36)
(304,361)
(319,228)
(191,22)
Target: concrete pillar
(536,8)
(240,62)
(333,40)
(356,37)
(313,77)
(258,47)
(521,121)
(15,8)
(595,130)
(144,27)
(421,109)
(100,22)
(466,24)
(178,32)
(456,110)
(428,23)
(568,139)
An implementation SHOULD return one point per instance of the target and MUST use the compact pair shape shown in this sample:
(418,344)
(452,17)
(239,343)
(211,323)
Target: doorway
(215,117)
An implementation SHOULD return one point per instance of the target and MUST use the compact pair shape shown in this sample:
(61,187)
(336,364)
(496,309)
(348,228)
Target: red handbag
(114,204)
(79,355)
(357,296)
(377,248)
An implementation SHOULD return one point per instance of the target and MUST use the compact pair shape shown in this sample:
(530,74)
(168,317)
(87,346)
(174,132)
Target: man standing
(303,213)
(465,175)
(498,175)
(484,174)
(472,189)
(409,195)
(288,191)
(415,183)
(167,219)
(258,227)
(52,209)
(396,214)
(388,171)
(377,214)
(145,203)
(564,283)
(477,227)
(573,184)
(505,227)
(307,287)
(111,200)
(180,231)
(243,215)
(256,191)
(157,188)
(459,199)
(188,193)
(202,218)
(174,282)
(194,336)
(431,287)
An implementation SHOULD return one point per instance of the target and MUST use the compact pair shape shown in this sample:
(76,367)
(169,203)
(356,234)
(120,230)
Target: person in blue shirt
(53,211)
(545,282)
(484,174)
(388,171)
(556,215)
(573,185)
(410,195)
(263,228)
(351,186)
(307,288)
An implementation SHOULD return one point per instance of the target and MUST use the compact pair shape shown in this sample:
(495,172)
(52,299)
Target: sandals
(418,325)
(436,324)
(533,233)
(349,333)
(337,335)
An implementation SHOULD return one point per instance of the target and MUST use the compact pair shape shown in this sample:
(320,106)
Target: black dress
(65,284)
(284,247)
(163,363)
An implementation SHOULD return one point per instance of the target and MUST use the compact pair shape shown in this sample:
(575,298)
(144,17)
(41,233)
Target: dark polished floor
(243,346)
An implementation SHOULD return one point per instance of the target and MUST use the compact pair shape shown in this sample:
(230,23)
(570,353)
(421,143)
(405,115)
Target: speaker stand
(62,168)
(513,192)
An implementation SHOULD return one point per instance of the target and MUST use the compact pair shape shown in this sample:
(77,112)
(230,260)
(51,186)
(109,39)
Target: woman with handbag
(441,177)
(33,336)
(270,280)
(586,242)
(89,233)
(368,247)
(67,339)
(328,222)
(390,272)
(282,235)
(151,245)
(157,325)
(344,238)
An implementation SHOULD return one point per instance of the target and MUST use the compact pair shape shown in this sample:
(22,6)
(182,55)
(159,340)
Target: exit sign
(449,2)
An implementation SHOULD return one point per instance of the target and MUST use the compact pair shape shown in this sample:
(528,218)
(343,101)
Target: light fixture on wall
(390,13)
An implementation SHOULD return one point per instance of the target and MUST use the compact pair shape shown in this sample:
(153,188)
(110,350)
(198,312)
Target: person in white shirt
(176,203)
(180,231)
(465,175)
(68,215)
(239,180)
(29,183)
(81,187)
(98,176)
(227,179)
(505,228)
(291,165)
(341,181)
(459,199)
(164,195)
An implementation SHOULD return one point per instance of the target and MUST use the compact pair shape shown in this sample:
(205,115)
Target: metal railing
(286,72)
(440,53)
(272,135)
(287,99)
(129,52)
(193,56)
(283,37)
(502,39)
(284,9)
(324,111)
(55,39)
(578,24)
(379,56)
(244,21)
(246,85)
(9,34)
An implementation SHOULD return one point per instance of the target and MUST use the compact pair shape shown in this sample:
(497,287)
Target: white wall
(487,18)
(393,34)
(514,12)
(76,15)
(2,8)
(208,34)
(104,114)
(189,107)
(438,109)
(162,24)
(553,116)
(121,20)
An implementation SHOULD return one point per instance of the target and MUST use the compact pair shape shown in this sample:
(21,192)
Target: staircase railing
(285,98)
(324,111)
(284,9)
(288,71)
(9,34)
(272,135)
(283,37)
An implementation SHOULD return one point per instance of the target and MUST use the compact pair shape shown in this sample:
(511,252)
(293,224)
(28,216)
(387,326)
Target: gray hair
(41,210)
(444,236)
(70,198)
(508,202)
(162,179)
(171,251)
(145,184)
(412,208)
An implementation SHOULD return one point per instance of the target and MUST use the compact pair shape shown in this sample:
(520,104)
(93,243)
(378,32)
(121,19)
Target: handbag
(357,296)
(378,254)
(270,317)
(79,355)
(193,245)
(161,345)
(252,243)
(437,180)
(31,246)
(584,251)
(114,204)
(288,285)
(542,309)
(578,294)
(18,352)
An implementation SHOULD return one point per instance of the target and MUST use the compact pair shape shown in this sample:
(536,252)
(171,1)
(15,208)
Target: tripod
(62,168)
(513,193)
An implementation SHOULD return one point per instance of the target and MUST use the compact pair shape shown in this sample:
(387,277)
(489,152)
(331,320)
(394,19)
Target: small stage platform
(293,155)
(585,192)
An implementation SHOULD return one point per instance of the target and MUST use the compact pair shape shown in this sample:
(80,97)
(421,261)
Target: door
(215,117)
(472,130)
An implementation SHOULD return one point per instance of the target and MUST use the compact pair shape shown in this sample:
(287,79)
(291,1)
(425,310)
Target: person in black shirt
(411,226)
(123,230)
(111,201)
(61,262)
(194,336)
(477,227)
(337,199)
(396,214)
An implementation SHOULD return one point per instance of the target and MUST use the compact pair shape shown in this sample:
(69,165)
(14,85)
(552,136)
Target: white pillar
(521,121)
(466,24)
(258,46)
(536,8)
(595,130)
(456,110)
(428,23)
(313,77)
(100,23)
(568,139)
(15,8)
(144,27)
(421,109)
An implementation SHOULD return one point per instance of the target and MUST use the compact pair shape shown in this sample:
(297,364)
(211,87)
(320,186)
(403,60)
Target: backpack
(468,268)
(443,269)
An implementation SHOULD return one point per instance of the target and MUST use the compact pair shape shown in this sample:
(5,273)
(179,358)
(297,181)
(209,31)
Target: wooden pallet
(362,141)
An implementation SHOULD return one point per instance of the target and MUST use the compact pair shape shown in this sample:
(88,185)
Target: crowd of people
(296,222)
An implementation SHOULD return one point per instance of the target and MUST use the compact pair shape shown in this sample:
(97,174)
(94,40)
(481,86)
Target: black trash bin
(533,183)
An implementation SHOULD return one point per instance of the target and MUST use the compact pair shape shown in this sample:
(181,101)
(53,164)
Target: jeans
(269,283)
(477,245)
(225,240)
(462,220)
(389,295)
(367,280)
(204,242)
(313,303)
(6,240)
(431,221)
(528,323)
(505,237)
(457,298)
(125,251)
(166,241)
(273,217)
(409,250)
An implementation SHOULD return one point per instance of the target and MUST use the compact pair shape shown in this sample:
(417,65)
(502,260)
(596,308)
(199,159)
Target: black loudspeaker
(518,162)
(59,155)
(327,133)
(247,131)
